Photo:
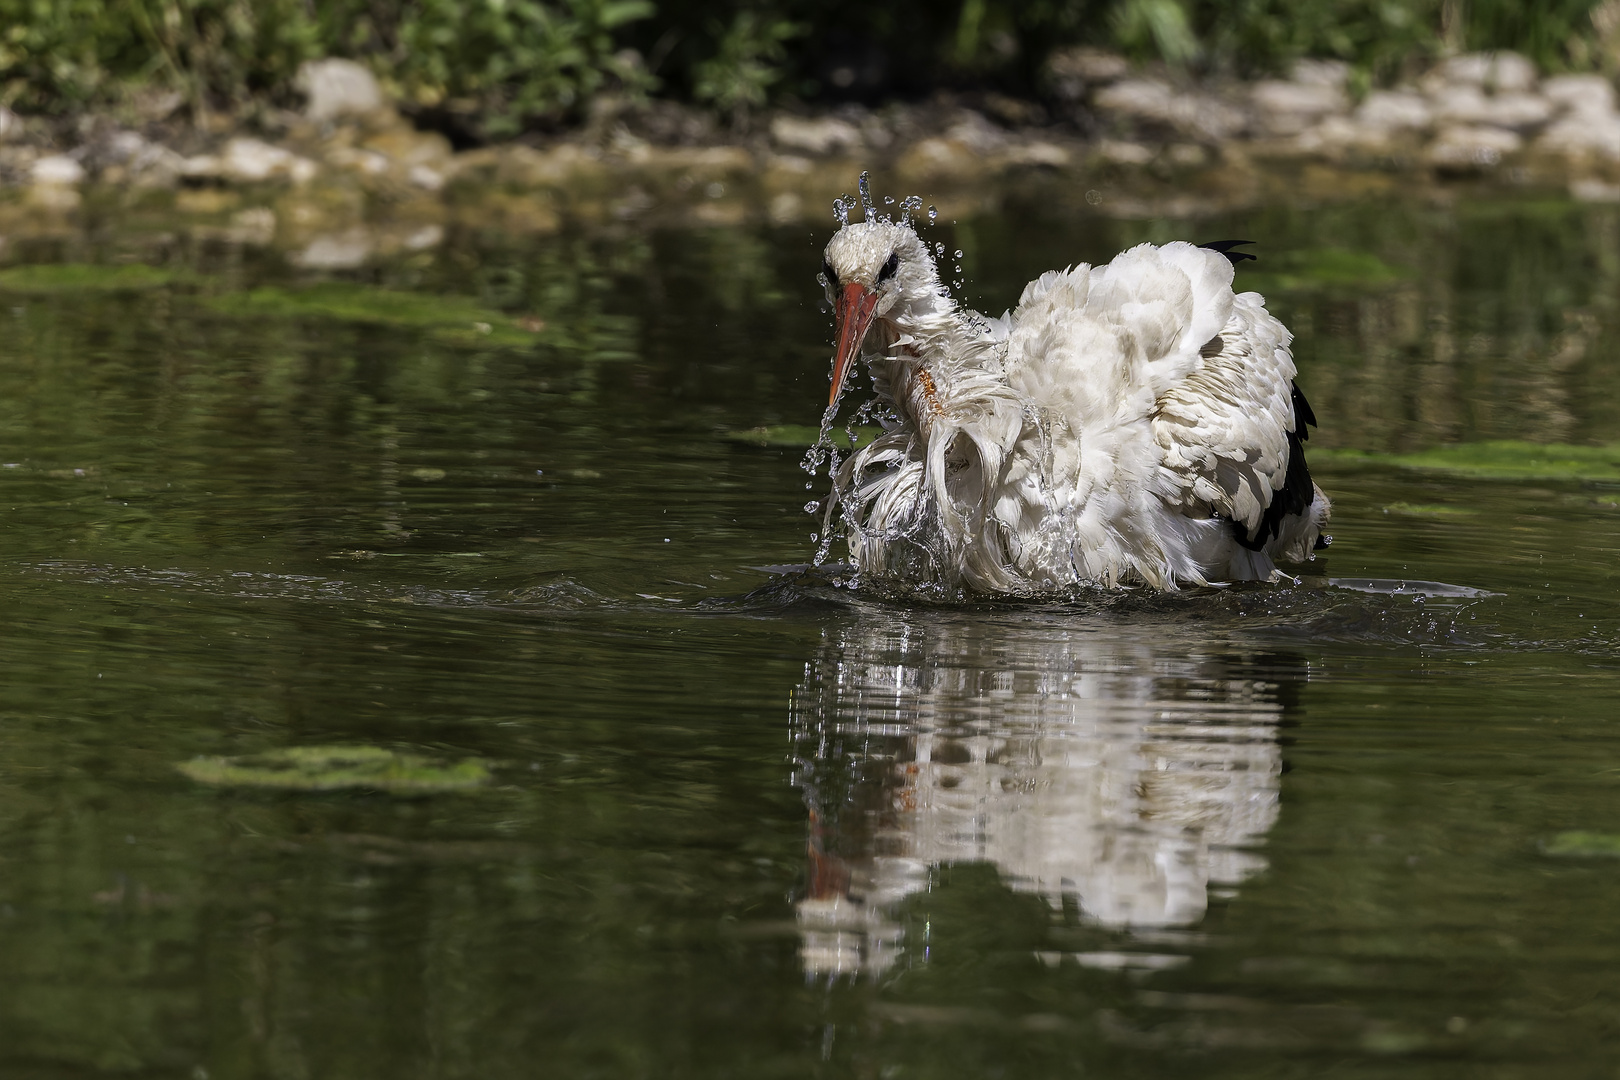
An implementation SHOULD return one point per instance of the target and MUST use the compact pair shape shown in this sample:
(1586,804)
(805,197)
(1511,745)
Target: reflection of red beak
(854,317)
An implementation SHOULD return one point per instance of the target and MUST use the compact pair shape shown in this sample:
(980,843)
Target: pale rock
(337,88)
(1594,191)
(1579,136)
(1187,155)
(426,177)
(1073,72)
(938,159)
(336,251)
(120,146)
(1472,148)
(1457,103)
(1583,95)
(408,147)
(1138,99)
(791,163)
(250,161)
(1288,108)
(820,135)
(1338,134)
(365,162)
(1154,101)
(1517,110)
(878,135)
(1120,152)
(1333,73)
(1036,154)
(155,166)
(519,167)
(428,236)
(57,170)
(976,133)
(1394,110)
(786,208)
(1504,72)
(255,226)
(1464,104)
(201,167)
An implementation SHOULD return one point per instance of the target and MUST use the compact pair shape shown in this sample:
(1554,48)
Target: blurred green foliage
(514,63)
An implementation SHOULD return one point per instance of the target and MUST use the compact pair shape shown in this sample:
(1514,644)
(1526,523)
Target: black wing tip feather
(1225,248)
(1298,490)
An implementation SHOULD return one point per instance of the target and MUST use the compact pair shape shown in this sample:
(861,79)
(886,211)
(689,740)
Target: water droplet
(958,254)
(888,200)
(813,538)
(933,214)
(1094,197)
(812,506)
(939,249)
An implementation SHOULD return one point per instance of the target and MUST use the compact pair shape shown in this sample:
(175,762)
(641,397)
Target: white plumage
(1128,423)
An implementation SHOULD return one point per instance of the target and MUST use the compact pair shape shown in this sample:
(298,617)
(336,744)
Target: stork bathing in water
(1129,423)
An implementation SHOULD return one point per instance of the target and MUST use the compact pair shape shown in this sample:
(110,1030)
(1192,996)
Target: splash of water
(868,208)
(908,207)
(841,208)
(824,450)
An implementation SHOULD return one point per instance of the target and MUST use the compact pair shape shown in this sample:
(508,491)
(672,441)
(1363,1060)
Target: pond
(402,678)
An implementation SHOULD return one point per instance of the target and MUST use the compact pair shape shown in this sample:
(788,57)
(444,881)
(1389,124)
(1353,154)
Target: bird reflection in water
(1120,772)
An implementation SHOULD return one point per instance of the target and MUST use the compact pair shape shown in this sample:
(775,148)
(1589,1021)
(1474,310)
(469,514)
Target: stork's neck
(926,344)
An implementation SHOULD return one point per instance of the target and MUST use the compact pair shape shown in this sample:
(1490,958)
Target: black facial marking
(889,267)
(832,275)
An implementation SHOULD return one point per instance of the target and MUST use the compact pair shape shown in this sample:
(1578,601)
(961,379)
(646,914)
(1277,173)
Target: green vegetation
(333,768)
(1428,510)
(83,277)
(489,68)
(454,318)
(1503,460)
(1333,269)
(1584,844)
(799,436)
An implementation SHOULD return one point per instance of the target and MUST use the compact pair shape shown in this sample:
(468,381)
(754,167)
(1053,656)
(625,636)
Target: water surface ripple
(735,817)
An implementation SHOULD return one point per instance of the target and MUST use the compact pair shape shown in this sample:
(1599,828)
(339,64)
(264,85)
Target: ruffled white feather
(1108,431)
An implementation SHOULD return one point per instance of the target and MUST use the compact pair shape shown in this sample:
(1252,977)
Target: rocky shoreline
(347,179)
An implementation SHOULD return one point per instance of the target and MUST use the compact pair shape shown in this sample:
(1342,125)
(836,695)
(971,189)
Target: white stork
(1129,423)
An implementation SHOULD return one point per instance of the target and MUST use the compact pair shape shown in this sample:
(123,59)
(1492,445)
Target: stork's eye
(831,274)
(889,267)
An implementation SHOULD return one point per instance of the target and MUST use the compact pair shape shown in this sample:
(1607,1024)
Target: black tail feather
(1225,248)
(1295,496)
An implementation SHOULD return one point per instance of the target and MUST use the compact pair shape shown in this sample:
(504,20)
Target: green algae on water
(1319,268)
(457,319)
(1428,510)
(796,436)
(1500,460)
(1582,844)
(335,768)
(52,278)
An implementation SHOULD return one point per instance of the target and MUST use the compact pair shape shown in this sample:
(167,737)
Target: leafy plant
(747,63)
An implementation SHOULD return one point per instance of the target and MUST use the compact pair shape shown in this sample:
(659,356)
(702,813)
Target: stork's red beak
(853,313)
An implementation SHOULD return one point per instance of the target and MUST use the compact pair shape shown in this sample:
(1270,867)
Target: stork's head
(872,270)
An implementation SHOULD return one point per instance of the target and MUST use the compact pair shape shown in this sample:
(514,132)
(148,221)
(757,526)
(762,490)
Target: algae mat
(334,768)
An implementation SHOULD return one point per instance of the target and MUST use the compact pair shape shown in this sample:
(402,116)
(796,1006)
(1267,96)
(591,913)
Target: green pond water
(392,687)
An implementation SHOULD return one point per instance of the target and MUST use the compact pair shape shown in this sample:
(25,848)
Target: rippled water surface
(741,821)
